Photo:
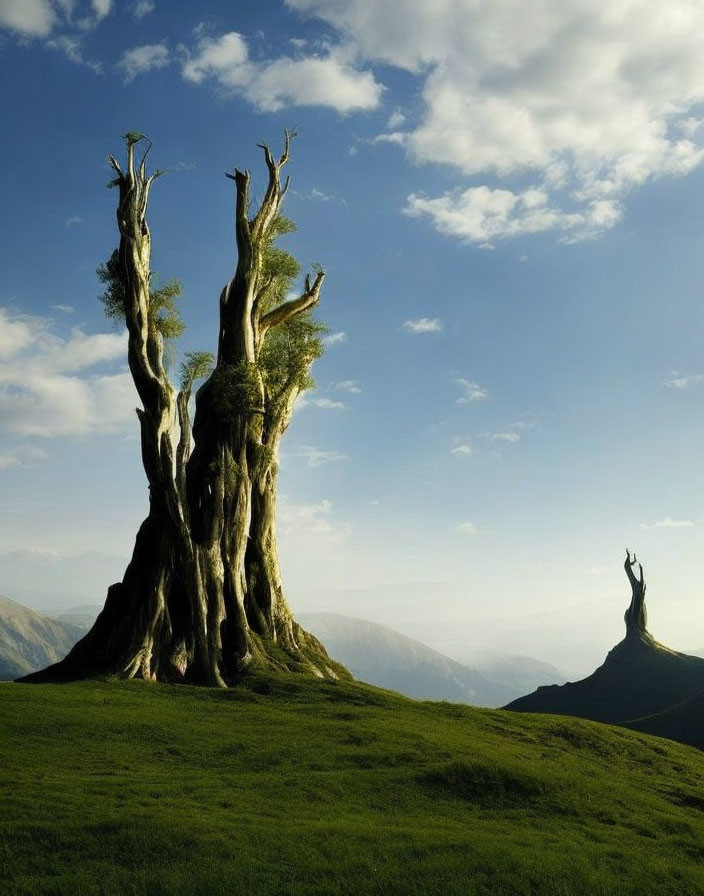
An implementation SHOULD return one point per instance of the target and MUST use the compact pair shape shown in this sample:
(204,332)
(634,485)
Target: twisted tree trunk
(190,605)
(635,617)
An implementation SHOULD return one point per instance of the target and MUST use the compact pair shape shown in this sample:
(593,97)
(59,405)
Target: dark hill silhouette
(642,684)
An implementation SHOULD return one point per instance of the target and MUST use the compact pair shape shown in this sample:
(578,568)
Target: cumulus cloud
(335,338)
(73,221)
(682,381)
(471,391)
(423,325)
(296,520)
(327,80)
(586,101)
(481,215)
(140,60)
(101,8)
(462,450)
(351,386)
(49,384)
(32,18)
(143,8)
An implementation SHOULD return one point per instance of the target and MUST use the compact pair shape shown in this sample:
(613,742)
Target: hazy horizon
(507,203)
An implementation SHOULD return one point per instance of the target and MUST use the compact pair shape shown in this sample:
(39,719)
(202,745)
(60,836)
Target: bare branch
(308,298)
(116,165)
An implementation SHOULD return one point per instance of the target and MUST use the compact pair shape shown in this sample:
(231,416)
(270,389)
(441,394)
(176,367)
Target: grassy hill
(641,683)
(288,786)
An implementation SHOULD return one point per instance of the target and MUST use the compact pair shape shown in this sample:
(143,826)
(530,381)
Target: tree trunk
(190,606)
(635,617)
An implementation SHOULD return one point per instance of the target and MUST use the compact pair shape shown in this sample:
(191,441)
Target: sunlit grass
(288,786)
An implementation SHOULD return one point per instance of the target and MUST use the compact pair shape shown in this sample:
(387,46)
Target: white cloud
(24,456)
(462,450)
(587,100)
(396,119)
(423,325)
(305,520)
(480,214)
(509,436)
(327,404)
(351,386)
(335,338)
(329,80)
(33,18)
(16,333)
(471,391)
(140,60)
(101,8)
(468,528)
(72,48)
(679,381)
(64,309)
(668,523)
(49,385)
(317,457)
(143,8)
(73,221)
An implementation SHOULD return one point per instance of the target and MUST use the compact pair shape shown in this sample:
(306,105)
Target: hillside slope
(296,787)
(380,656)
(641,683)
(30,641)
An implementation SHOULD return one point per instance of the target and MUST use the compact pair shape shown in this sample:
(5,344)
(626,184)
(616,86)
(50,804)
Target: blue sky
(507,199)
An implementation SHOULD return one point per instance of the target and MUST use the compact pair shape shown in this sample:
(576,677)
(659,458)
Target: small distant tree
(635,617)
(202,597)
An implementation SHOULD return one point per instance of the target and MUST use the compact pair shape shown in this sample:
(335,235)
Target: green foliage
(236,390)
(164,316)
(290,786)
(288,353)
(279,267)
(132,137)
(195,366)
(113,296)
(163,313)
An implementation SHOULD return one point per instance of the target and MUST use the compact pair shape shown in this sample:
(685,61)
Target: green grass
(288,786)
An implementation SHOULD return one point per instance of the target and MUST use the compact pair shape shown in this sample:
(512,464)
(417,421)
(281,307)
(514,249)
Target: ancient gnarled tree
(202,596)
(635,616)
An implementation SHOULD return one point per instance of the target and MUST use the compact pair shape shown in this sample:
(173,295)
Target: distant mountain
(30,641)
(517,673)
(372,652)
(641,684)
(81,617)
(378,655)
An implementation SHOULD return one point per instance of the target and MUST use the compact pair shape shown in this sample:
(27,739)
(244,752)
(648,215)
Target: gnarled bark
(635,617)
(190,605)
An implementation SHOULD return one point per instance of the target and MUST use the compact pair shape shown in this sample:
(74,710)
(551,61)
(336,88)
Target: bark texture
(202,598)
(635,617)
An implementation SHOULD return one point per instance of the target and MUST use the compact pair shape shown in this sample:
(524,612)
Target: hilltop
(642,683)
